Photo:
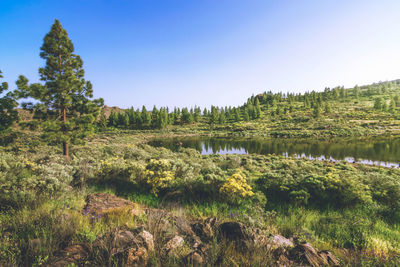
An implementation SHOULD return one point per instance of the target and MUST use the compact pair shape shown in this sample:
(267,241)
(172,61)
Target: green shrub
(338,186)
(24,182)
(116,168)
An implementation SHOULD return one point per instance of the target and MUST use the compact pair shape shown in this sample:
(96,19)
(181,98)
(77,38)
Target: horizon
(185,54)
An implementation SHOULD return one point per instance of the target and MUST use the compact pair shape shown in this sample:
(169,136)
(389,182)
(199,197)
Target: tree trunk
(64,114)
(66,149)
(65,143)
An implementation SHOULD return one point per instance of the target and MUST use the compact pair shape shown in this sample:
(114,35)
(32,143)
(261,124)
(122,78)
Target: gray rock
(173,244)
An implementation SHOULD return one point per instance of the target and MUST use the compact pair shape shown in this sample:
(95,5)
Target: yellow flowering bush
(159,175)
(236,187)
(112,166)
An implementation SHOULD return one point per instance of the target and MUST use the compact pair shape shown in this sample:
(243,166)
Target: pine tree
(187,117)
(257,109)
(132,117)
(356,91)
(64,98)
(317,111)
(213,115)
(102,123)
(222,117)
(171,118)
(236,114)
(8,115)
(327,108)
(246,115)
(278,110)
(205,112)
(396,99)
(112,121)
(155,118)
(123,120)
(392,106)
(197,114)
(306,102)
(384,106)
(378,104)
(146,117)
(138,121)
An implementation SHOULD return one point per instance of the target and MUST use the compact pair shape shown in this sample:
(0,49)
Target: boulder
(148,239)
(194,259)
(234,231)
(306,254)
(74,254)
(123,245)
(137,257)
(173,244)
(102,204)
(205,230)
(280,241)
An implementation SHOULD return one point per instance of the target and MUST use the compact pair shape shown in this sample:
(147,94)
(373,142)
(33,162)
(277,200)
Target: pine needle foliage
(64,99)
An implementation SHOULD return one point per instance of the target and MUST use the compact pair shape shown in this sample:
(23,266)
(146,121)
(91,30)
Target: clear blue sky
(205,52)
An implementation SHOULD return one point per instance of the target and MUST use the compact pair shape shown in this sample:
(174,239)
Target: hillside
(361,111)
(368,110)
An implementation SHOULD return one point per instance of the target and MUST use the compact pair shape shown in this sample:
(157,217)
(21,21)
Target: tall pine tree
(64,98)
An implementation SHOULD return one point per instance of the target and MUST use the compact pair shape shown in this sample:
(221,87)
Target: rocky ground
(170,236)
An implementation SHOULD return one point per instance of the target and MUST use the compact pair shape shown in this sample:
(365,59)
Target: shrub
(236,187)
(24,182)
(119,168)
(338,186)
(159,175)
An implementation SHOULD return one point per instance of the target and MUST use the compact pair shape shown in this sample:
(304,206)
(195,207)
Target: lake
(373,151)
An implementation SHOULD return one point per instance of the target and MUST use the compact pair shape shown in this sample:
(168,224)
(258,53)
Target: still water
(377,151)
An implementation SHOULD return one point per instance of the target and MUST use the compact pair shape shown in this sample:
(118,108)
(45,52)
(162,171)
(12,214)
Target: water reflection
(384,152)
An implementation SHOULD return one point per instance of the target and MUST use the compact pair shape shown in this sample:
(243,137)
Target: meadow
(351,210)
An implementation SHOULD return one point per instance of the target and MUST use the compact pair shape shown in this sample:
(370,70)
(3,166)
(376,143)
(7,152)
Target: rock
(206,229)
(122,240)
(148,239)
(241,235)
(168,225)
(283,249)
(281,241)
(137,257)
(133,247)
(75,254)
(102,204)
(174,243)
(123,245)
(234,231)
(194,259)
(184,227)
(259,238)
(332,260)
(306,254)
